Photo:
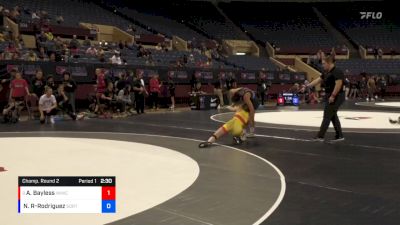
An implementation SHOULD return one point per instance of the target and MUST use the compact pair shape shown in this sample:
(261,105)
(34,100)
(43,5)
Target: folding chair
(32,105)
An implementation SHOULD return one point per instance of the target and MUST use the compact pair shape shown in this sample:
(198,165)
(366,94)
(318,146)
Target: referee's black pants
(330,115)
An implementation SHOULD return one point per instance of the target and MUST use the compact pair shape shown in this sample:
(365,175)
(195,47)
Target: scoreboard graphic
(66,195)
(288,99)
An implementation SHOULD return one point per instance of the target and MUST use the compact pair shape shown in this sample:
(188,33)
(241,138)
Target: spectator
(31,56)
(6,12)
(14,14)
(191,58)
(215,54)
(124,97)
(155,89)
(44,15)
(382,84)
(158,47)
(60,19)
(63,102)
(38,84)
(59,42)
(122,82)
(230,83)
(209,62)
(18,88)
(7,56)
(74,43)
(100,51)
(92,51)
(107,98)
(69,88)
(16,56)
(19,43)
(371,85)
(149,58)
(86,42)
(120,45)
(353,89)
(171,89)
(195,83)
(116,58)
(218,91)
(130,29)
(375,53)
(179,63)
(261,87)
(49,36)
(35,16)
(101,57)
(11,48)
(140,92)
(8,36)
(380,53)
(8,77)
(141,53)
(362,84)
(47,106)
(41,37)
(164,47)
(346,85)
(65,53)
(42,55)
(100,86)
(52,57)
(52,84)
(18,91)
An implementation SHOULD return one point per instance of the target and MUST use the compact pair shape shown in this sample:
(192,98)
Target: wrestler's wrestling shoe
(237,140)
(251,133)
(205,144)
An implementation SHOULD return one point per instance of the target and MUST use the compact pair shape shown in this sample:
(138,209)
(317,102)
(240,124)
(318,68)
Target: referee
(333,78)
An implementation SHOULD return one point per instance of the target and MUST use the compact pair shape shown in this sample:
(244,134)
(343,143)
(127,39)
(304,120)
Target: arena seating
(381,33)
(357,66)
(297,32)
(251,62)
(293,28)
(202,16)
(206,17)
(163,24)
(73,12)
(289,62)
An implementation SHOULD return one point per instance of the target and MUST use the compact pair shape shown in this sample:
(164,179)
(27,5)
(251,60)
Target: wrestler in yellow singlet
(244,102)
(237,124)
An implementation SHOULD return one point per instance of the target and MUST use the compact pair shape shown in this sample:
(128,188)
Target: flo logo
(371,15)
(357,118)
